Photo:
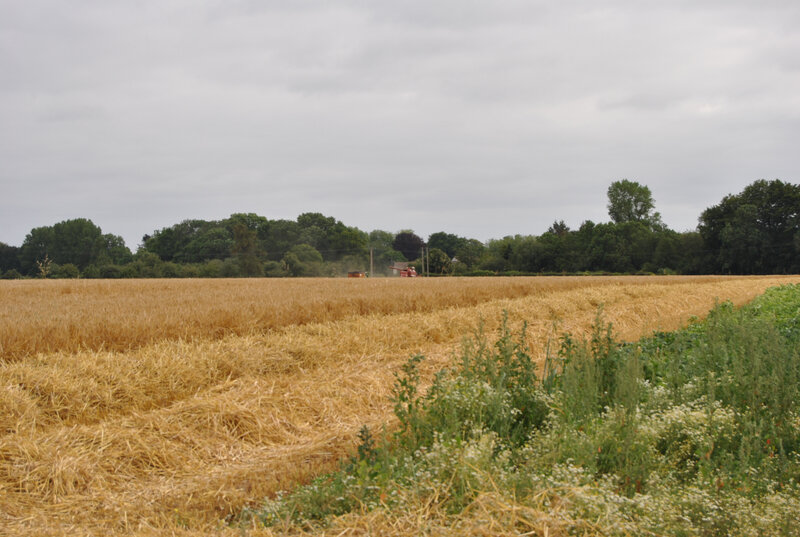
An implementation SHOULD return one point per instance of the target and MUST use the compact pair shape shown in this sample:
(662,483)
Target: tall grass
(688,433)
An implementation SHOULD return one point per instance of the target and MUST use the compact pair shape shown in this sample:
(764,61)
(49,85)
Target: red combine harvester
(404,272)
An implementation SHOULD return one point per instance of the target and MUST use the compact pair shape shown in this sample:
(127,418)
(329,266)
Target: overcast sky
(482,119)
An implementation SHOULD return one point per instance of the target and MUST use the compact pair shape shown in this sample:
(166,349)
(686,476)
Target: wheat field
(162,407)
(72,315)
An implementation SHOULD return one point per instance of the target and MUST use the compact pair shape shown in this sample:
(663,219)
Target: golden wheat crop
(180,429)
(70,315)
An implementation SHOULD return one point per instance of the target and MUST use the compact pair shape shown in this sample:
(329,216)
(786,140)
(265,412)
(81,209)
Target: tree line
(754,232)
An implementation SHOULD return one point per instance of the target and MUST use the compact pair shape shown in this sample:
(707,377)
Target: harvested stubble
(490,515)
(178,434)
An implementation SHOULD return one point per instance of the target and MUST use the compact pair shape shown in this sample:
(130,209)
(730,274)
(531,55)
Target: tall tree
(35,247)
(499,252)
(409,244)
(319,220)
(279,237)
(383,250)
(303,260)
(78,241)
(558,228)
(115,250)
(524,254)
(755,231)
(447,242)
(629,201)
(470,253)
(170,243)
(439,261)
(245,247)
(345,241)
(9,258)
(213,242)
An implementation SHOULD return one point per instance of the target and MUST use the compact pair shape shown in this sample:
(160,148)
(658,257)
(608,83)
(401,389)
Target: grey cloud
(519,112)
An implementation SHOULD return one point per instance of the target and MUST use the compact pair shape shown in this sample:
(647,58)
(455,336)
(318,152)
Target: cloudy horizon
(478,119)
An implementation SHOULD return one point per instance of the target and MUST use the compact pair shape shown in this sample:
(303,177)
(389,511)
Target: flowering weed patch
(683,433)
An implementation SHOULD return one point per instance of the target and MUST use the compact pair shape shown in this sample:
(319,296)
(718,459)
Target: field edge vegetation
(682,433)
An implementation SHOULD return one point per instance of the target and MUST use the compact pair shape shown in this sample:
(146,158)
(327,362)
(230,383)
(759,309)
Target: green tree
(439,261)
(563,250)
(381,240)
(447,242)
(114,248)
(213,242)
(303,260)
(67,270)
(667,254)
(498,254)
(629,201)
(9,258)
(316,230)
(246,250)
(12,274)
(524,253)
(409,244)
(692,255)
(275,269)
(278,237)
(332,238)
(755,231)
(146,265)
(624,247)
(78,241)
(318,220)
(470,253)
(251,221)
(549,249)
(260,225)
(35,247)
(384,254)
(351,242)
(558,228)
(170,243)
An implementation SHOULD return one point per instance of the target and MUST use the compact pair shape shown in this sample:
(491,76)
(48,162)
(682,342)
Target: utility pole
(428,257)
(371,263)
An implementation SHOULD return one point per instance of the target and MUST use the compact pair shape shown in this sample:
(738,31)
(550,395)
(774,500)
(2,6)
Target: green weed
(695,432)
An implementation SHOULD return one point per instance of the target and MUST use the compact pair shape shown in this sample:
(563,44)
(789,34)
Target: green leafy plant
(687,433)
